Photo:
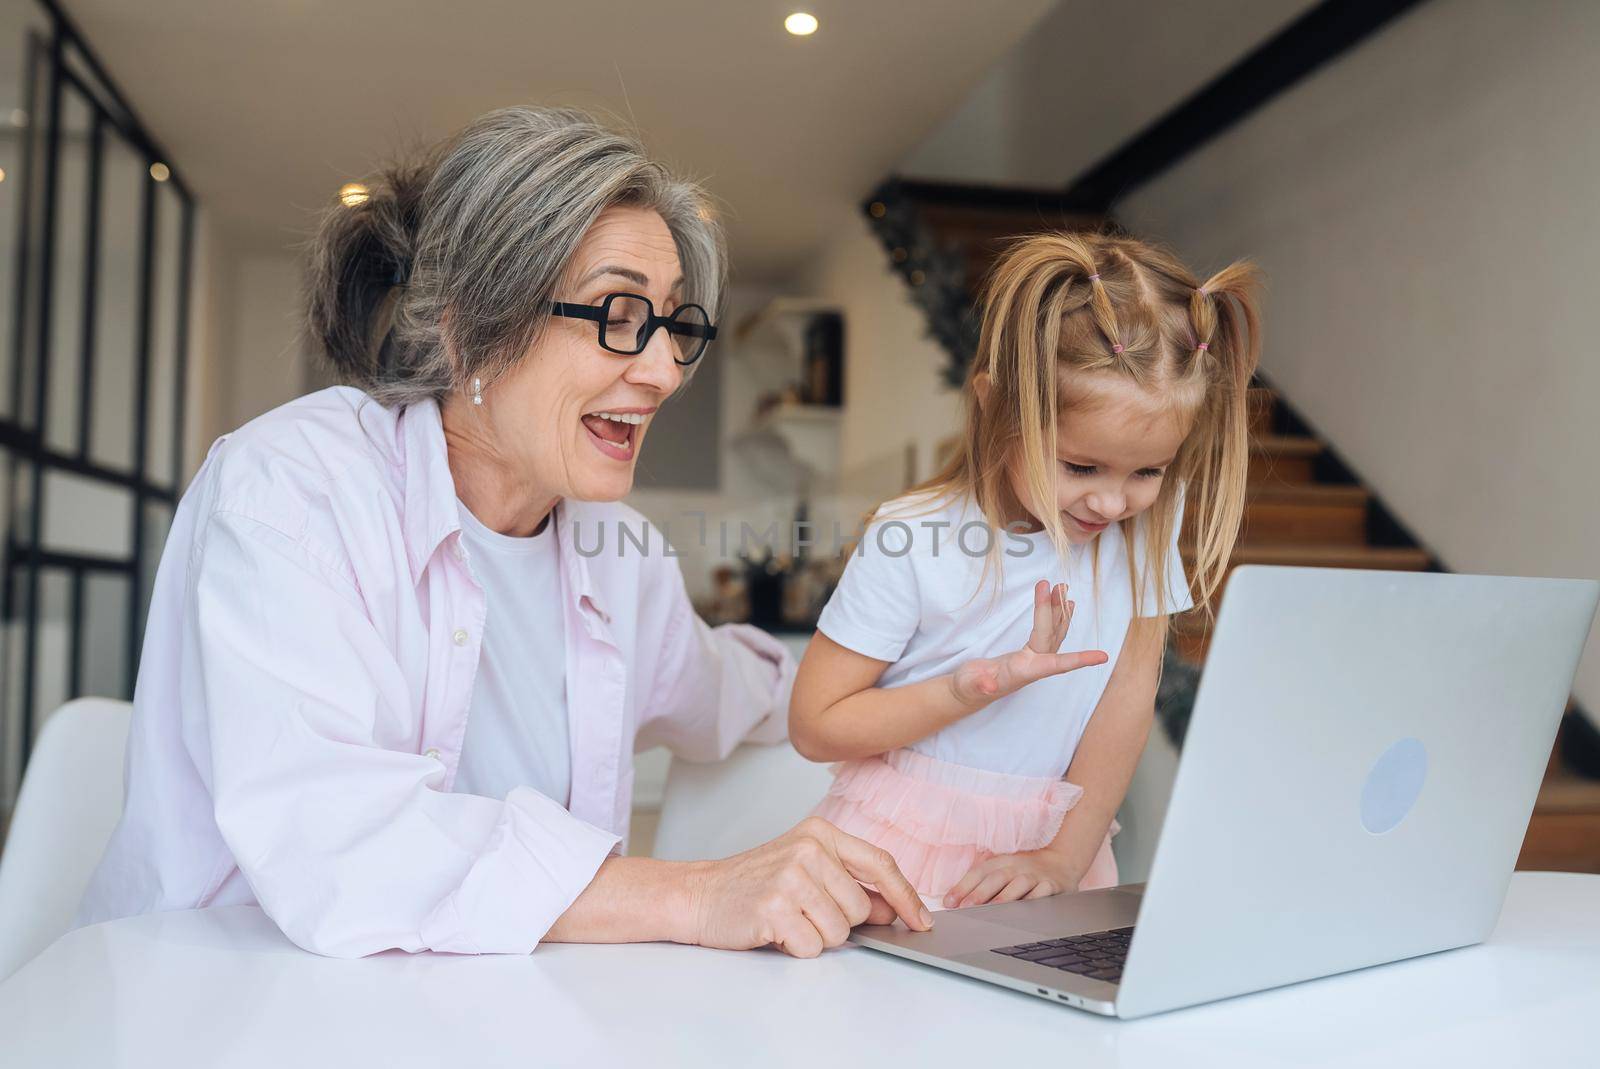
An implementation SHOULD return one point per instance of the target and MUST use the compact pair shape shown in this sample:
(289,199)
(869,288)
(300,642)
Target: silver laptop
(1354,788)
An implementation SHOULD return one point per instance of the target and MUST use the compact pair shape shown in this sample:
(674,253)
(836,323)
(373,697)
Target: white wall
(894,395)
(264,363)
(742,493)
(1425,212)
(208,326)
(1084,80)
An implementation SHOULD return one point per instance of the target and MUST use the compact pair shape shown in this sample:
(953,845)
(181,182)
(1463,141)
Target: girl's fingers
(976,873)
(1017,889)
(1063,616)
(987,888)
(1071,662)
(1044,666)
(1043,619)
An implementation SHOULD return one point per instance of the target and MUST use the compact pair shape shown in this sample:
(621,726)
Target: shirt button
(433,753)
(460,636)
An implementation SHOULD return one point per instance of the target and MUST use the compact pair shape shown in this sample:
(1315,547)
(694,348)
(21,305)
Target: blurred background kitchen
(1415,178)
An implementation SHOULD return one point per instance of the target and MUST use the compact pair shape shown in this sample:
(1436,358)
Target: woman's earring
(477,391)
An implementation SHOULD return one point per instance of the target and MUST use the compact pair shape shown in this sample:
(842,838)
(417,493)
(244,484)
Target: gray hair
(446,271)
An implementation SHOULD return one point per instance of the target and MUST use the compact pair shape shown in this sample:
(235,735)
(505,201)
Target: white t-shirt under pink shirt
(517,723)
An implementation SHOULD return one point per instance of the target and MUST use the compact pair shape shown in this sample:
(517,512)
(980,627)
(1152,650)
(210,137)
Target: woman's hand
(1010,877)
(983,680)
(801,892)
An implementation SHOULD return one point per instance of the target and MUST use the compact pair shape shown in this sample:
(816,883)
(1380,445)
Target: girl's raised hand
(983,680)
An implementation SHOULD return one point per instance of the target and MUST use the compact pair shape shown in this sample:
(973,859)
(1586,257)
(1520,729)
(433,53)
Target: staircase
(1304,505)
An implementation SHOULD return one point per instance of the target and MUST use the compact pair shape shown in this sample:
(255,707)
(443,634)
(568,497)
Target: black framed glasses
(627,322)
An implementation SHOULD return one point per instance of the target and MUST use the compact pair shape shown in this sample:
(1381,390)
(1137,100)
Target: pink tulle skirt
(939,819)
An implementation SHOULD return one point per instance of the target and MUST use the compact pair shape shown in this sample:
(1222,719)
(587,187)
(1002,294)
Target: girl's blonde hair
(1058,306)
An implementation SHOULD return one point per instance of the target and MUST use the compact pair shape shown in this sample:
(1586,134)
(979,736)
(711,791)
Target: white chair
(757,794)
(70,801)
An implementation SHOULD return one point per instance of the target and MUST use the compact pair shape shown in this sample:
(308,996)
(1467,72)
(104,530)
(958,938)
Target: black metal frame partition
(60,67)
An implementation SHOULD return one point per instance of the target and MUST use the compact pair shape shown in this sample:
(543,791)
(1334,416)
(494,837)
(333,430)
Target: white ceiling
(268,106)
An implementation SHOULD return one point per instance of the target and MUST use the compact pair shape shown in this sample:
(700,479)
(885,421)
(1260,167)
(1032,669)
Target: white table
(224,988)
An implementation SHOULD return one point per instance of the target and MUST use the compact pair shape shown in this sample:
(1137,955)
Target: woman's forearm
(876,720)
(631,900)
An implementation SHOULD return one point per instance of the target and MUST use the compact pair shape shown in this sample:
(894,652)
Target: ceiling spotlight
(801,24)
(2,174)
(352,194)
(160,172)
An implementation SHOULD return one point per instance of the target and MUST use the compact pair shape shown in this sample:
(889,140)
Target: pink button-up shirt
(303,692)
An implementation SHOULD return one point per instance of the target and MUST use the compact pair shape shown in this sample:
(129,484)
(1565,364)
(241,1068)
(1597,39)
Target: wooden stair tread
(1385,558)
(1336,556)
(1564,791)
(1261,407)
(1286,445)
(1309,494)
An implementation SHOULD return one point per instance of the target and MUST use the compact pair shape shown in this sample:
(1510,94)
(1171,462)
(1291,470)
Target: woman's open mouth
(614,433)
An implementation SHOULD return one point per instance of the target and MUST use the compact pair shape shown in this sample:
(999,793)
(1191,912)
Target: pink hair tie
(1202,291)
(1116,348)
(1094,278)
(1203,346)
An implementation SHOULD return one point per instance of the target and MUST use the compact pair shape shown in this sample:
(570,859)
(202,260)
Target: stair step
(1302,514)
(982,232)
(1276,458)
(1303,524)
(1382,558)
(1564,791)
(1287,445)
(1564,832)
(1261,406)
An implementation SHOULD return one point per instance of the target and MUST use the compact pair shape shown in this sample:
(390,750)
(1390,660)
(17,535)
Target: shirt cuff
(774,726)
(538,860)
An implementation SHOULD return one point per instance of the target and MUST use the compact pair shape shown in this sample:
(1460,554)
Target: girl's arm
(838,713)
(1103,766)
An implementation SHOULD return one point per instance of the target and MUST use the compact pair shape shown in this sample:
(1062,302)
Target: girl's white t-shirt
(517,731)
(916,593)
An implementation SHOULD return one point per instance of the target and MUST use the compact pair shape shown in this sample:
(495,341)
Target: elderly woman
(382,693)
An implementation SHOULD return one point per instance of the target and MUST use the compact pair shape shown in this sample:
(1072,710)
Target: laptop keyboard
(1097,955)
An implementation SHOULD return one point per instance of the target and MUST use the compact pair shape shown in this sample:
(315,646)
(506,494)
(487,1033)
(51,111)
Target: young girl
(1109,389)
